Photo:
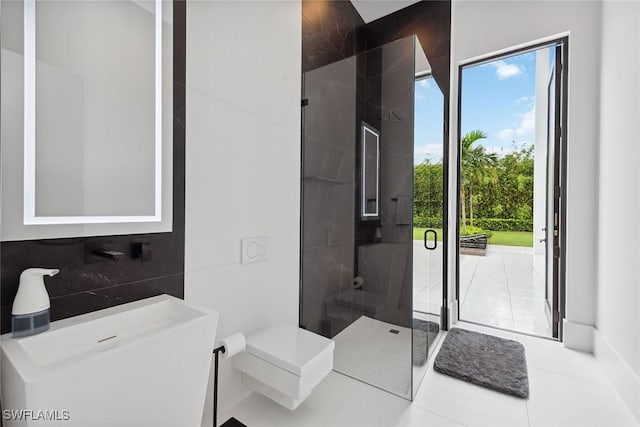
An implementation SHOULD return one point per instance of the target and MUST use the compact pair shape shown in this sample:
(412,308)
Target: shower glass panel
(357,270)
(428,213)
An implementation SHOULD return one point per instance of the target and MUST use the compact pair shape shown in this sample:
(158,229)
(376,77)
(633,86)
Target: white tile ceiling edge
(370,10)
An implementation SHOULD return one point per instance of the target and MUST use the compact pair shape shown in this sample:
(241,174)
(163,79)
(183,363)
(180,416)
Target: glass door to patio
(510,215)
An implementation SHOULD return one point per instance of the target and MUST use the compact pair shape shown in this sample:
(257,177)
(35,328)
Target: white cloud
(427,151)
(525,99)
(506,134)
(424,83)
(526,126)
(505,70)
(527,122)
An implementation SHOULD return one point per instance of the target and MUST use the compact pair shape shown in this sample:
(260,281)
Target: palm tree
(476,166)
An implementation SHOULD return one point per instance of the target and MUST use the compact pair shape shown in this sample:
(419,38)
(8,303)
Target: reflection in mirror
(97,137)
(370,171)
(86,116)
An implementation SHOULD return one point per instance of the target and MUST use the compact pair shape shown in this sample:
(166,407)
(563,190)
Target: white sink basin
(137,364)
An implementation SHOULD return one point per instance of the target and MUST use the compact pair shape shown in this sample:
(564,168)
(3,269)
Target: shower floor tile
(367,350)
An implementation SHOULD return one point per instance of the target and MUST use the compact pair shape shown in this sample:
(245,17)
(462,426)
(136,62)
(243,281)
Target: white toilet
(285,363)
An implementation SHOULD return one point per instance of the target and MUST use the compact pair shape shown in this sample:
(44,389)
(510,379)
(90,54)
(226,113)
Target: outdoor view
(502,168)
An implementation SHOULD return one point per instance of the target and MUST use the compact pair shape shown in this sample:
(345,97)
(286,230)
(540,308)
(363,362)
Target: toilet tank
(145,363)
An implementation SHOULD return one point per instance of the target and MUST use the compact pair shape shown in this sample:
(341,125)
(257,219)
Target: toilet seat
(285,363)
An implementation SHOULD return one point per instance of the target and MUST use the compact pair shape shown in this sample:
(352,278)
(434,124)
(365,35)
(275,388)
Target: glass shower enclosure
(364,267)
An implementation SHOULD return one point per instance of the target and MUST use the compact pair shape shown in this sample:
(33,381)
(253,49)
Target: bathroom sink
(142,363)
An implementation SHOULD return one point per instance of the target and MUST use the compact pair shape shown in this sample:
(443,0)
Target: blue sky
(497,98)
(429,121)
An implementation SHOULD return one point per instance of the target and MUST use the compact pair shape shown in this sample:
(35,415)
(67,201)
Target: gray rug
(485,360)
(424,333)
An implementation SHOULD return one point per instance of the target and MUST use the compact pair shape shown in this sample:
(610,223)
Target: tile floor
(567,388)
(427,278)
(505,288)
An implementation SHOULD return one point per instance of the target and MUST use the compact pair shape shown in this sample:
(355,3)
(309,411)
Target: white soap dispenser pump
(30,312)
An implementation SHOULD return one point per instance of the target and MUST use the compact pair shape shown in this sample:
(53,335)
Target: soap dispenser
(30,312)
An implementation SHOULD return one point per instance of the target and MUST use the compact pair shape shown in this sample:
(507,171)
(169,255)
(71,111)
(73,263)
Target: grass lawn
(418,233)
(507,238)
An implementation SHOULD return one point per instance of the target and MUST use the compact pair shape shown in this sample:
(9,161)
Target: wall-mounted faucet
(112,255)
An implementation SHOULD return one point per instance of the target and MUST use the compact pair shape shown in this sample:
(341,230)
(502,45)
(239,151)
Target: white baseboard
(623,377)
(577,336)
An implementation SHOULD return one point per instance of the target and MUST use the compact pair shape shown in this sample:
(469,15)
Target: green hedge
(427,221)
(504,224)
(492,224)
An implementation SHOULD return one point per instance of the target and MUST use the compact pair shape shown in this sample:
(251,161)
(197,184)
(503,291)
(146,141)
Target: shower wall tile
(397,183)
(386,267)
(323,160)
(328,271)
(372,101)
(331,112)
(318,50)
(399,135)
(383,91)
(431,22)
(332,30)
(396,139)
(328,213)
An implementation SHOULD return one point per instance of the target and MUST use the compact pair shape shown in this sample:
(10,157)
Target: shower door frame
(444,312)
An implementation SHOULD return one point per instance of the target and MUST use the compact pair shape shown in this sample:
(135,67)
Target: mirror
(370,171)
(86,118)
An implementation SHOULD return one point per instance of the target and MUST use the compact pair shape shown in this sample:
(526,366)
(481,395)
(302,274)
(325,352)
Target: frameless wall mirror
(370,171)
(86,118)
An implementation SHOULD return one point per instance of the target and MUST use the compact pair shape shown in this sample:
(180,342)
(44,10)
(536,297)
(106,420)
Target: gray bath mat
(485,360)
(424,334)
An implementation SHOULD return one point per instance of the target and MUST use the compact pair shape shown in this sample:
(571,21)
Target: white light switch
(254,249)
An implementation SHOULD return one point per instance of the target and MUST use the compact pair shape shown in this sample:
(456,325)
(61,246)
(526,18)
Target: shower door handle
(435,240)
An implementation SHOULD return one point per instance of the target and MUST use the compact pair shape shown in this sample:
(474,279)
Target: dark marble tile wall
(334,250)
(369,111)
(431,22)
(396,174)
(332,30)
(82,286)
(328,187)
(332,35)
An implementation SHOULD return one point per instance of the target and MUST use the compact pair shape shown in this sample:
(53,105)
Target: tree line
(496,192)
